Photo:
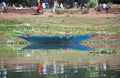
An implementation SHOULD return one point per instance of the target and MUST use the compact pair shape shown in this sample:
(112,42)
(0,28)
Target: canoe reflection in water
(57,47)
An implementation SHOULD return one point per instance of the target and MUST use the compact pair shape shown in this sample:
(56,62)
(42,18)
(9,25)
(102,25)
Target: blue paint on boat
(57,47)
(56,39)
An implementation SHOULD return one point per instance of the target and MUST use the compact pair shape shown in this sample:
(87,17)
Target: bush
(93,3)
(60,12)
(108,52)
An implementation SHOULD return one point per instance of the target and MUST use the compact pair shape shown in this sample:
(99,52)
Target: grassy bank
(36,25)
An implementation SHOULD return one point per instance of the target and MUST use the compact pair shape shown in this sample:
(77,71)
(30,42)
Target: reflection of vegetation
(7,53)
(10,51)
(82,73)
(109,51)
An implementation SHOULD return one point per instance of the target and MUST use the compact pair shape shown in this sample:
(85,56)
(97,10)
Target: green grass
(56,25)
(61,26)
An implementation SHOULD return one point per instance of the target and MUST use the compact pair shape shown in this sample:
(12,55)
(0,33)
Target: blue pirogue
(56,39)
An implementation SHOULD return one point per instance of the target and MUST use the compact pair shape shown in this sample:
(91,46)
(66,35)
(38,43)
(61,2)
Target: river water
(63,61)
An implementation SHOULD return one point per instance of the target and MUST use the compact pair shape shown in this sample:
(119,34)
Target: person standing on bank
(61,4)
(40,8)
(55,6)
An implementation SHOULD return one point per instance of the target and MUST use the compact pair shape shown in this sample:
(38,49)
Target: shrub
(60,12)
(93,3)
(108,51)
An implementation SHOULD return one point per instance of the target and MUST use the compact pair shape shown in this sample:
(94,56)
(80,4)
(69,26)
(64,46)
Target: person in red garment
(40,8)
